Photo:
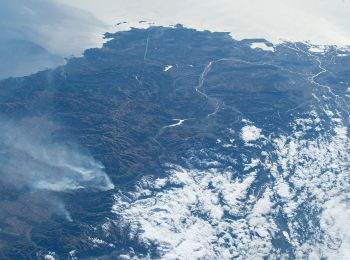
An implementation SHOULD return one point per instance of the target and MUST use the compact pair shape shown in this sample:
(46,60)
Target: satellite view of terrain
(174,143)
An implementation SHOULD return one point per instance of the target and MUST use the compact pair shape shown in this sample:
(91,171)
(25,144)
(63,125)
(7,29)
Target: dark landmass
(119,104)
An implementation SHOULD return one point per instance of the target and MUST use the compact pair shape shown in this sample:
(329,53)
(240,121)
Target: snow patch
(262,45)
(167,67)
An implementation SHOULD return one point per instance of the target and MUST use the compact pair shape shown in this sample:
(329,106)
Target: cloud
(33,157)
(319,21)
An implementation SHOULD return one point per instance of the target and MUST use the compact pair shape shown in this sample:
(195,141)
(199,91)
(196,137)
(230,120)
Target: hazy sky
(51,24)
(37,34)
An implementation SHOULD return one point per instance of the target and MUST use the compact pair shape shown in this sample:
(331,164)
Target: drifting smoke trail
(31,158)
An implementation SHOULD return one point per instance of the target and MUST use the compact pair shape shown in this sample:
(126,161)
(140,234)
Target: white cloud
(321,22)
(187,220)
(250,133)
